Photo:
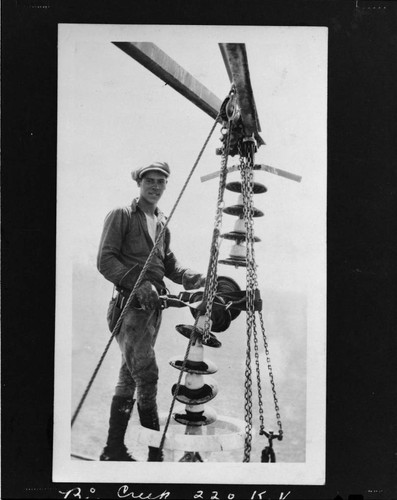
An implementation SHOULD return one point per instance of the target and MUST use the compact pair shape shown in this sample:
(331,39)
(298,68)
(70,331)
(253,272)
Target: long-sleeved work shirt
(126,244)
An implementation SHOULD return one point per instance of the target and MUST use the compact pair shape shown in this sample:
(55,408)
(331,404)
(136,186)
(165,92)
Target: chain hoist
(200,332)
(246,167)
(211,281)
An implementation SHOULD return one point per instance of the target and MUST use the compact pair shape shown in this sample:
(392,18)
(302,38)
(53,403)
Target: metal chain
(246,165)
(211,281)
(248,193)
(258,381)
(252,285)
(252,281)
(271,377)
(269,365)
(142,274)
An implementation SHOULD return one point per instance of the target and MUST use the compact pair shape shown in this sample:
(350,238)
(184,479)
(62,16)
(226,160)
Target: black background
(362,147)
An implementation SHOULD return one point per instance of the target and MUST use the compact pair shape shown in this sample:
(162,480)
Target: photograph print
(191,254)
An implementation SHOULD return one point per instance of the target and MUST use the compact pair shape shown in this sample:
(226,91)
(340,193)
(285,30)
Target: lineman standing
(127,239)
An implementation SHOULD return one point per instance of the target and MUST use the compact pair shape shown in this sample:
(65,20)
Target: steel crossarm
(236,62)
(266,168)
(159,63)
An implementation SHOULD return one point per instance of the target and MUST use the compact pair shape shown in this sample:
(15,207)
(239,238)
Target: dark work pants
(139,371)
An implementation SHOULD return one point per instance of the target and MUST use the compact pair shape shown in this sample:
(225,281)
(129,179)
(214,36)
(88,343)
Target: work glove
(192,280)
(147,296)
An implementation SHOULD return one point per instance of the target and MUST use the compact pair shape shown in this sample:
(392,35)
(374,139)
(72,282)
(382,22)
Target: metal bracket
(271,435)
(266,168)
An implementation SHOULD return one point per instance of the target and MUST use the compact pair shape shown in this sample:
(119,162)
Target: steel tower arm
(236,62)
(159,63)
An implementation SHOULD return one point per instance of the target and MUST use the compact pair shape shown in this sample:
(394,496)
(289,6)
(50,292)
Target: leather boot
(150,420)
(120,413)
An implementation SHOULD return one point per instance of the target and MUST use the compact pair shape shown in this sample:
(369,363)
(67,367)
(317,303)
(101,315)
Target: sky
(114,116)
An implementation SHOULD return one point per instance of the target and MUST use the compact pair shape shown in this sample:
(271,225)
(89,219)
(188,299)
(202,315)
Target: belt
(126,292)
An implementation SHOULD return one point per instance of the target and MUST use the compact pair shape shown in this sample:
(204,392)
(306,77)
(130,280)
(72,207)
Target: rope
(85,394)
(142,274)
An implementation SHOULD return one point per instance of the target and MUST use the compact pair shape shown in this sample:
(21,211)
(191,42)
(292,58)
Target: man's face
(152,186)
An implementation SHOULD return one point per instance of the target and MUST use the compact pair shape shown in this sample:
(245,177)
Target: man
(128,237)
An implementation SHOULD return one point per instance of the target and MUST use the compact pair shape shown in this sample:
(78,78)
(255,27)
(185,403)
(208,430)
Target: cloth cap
(159,166)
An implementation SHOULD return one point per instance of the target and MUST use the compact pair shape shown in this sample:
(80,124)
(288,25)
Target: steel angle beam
(236,62)
(266,168)
(159,63)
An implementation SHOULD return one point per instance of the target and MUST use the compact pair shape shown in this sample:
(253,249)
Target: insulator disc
(238,210)
(199,367)
(186,331)
(234,262)
(220,317)
(236,186)
(226,285)
(206,417)
(196,396)
(237,236)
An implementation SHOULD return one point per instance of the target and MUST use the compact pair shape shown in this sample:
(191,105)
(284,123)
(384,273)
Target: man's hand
(192,280)
(147,296)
